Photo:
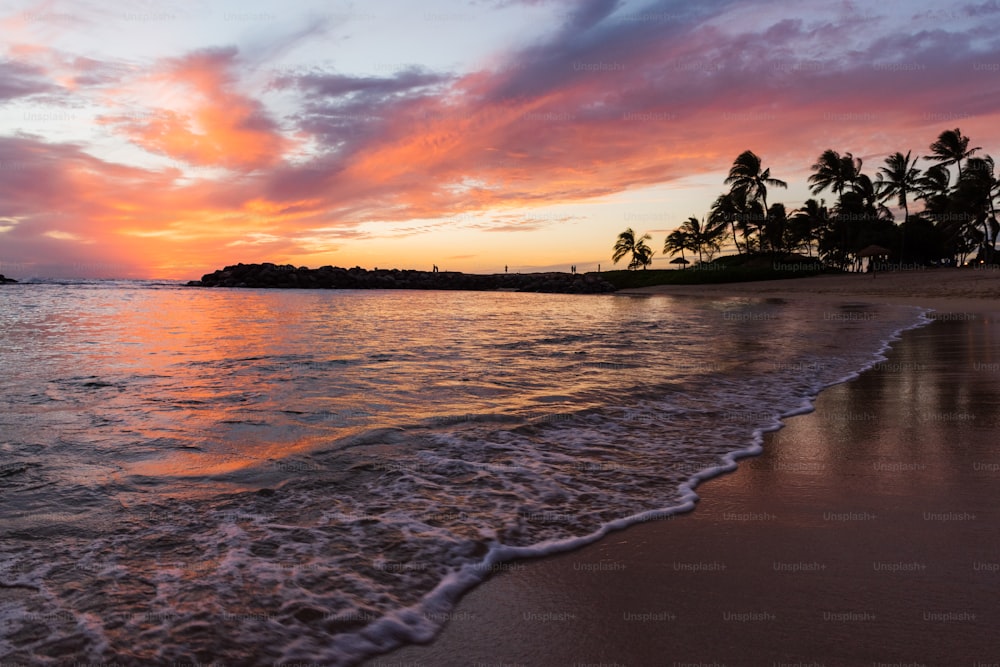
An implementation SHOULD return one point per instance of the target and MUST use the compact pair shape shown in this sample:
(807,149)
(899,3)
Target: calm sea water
(257,477)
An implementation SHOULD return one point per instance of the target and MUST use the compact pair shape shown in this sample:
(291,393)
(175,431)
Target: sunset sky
(166,139)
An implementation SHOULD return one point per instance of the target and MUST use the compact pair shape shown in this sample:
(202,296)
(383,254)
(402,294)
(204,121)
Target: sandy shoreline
(946,290)
(867,532)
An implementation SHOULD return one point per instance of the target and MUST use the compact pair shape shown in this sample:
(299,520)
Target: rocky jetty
(4,280)
(332,277)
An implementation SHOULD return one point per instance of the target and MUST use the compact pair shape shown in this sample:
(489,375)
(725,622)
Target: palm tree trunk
(732,226)
(993,241)
(902,237)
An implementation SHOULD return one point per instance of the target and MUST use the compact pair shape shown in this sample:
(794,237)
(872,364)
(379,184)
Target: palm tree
(859,220)
(951,147)
(933,187)
(867,193)
(747,177)
(695,236)
(643,254)
(707,236)
(677,242)
(806,224)
(775,227)
(974,194)
(728,209)
(834,171)
(627,243)
(898,178)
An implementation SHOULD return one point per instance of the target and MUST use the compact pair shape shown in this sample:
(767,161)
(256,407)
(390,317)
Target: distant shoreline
(276,276)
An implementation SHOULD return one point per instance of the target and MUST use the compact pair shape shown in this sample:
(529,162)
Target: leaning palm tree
(627,243)
(677,242)
(899,177)
(727,209)
(643,254)
(747,176)
(951,147)
(624,245)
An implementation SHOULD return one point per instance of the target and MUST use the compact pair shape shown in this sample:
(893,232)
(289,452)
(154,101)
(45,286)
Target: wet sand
(867,533)
(942,289)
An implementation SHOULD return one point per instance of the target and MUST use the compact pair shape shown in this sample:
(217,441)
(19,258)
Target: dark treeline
(956,192)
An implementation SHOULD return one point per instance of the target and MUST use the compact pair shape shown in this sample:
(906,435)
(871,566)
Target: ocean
(195,475)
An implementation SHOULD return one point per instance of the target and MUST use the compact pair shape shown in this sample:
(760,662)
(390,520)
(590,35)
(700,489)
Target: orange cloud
(197,116)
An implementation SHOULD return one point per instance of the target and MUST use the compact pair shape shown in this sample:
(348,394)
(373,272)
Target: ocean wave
(248,498)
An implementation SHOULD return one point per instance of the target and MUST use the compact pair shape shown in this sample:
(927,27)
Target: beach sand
(942,289)
(867,533)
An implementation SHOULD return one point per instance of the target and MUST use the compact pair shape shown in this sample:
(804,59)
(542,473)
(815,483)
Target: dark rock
(268,275)
(4,280)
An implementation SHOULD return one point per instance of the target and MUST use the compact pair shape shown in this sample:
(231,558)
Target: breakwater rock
(4,280)
(331,277)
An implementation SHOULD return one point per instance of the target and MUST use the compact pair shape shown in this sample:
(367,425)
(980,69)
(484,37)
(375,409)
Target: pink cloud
(208,121)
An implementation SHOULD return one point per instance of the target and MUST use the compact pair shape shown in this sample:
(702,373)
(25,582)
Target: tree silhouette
(726,210)
(834,171)
(806,224)
(775,226)
(747,177)
(899,178)
(643,254)
(696,236)
(955,219)
(975,193)
(950,148)
(627,243)
(677,242)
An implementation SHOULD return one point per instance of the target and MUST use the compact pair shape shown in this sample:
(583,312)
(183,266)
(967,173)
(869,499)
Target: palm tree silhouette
(677,242)
(974,194)
(775,227)
(627,243)
(726,211)
(747,176)
(951,147)
(694,235)
(643,254)
(834,171)
(898,178)
(933,185)
(807,222)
